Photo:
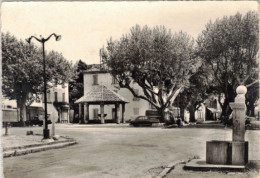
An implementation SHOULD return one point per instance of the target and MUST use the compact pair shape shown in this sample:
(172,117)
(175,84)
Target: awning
(213,110)
(36,105)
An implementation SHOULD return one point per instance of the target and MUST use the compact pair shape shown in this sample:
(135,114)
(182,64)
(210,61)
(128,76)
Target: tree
(195,94)
(22,68)
(252,97)
(155,59)
(76,86)
(229,47)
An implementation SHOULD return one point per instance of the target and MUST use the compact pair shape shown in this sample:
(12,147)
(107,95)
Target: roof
(95,68)
(101,93)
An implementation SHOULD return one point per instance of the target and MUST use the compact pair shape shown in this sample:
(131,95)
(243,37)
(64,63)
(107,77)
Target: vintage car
(143,121)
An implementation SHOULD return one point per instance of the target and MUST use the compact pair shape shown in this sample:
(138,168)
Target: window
(95,79)
(136,92)
(63,97)
(95,113)
(56,96)
(136,111)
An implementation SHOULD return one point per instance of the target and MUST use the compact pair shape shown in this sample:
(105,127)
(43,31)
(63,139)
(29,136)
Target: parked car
(143,121)
(36,121)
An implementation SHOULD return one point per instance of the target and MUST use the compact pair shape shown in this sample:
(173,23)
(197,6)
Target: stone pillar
(123,113)
(86,112)
(69,115)
(117,113)
(238,114)
(102,113)
(116,116)
(80,113)
(239,146)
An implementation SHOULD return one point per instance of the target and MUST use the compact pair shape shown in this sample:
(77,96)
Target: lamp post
(46,133)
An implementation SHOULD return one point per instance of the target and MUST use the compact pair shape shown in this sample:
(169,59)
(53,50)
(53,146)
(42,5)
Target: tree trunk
(250,109)
(192,114)
(162,114)
(182,113)
(229,97)
(21,104)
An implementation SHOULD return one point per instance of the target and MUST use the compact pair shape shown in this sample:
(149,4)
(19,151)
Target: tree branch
(249,85)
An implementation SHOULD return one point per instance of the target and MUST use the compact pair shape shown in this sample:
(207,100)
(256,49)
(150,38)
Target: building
(210,109)
(8,104)
(57,104)
(99,83)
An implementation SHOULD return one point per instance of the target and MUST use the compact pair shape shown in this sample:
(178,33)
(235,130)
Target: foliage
(76,87)
(22,67)
(155,59)
(229,47)
(195,94)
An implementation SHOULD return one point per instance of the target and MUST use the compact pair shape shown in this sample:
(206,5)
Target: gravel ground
(117,151)
(20,140)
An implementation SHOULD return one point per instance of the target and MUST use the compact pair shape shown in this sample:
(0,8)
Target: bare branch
(249,85)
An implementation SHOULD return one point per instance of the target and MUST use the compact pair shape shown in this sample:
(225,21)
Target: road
(117,151)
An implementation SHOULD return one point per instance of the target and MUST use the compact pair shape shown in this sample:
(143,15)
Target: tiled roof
(101,93)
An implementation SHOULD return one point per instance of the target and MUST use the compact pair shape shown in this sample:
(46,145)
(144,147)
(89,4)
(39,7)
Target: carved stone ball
(241,89)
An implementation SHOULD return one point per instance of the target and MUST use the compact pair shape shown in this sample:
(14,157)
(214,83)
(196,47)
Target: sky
(85,27)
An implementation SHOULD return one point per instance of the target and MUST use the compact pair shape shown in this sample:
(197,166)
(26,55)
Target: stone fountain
(228,154)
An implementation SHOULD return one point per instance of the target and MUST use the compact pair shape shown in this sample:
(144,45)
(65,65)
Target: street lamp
(46,133)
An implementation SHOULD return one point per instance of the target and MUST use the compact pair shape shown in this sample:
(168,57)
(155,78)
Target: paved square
(117,151)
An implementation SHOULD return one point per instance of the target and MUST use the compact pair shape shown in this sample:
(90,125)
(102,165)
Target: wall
(51,98)
(59,89)
(106,80)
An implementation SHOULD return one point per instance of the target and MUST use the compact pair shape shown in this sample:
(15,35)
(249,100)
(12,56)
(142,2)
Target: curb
(36,145)
(168,168)
(18,151)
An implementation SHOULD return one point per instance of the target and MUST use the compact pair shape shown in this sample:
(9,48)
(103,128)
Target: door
(64,116)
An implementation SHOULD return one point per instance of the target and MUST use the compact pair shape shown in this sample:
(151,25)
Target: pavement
(118,151)
(17,145)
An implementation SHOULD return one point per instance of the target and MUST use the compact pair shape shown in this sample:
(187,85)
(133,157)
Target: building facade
(135,106)
(210,109)
(57,104)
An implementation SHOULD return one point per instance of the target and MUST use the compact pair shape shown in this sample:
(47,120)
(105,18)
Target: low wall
(226,152)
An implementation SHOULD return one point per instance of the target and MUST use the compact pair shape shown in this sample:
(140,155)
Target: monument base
(201,165)
(226,152)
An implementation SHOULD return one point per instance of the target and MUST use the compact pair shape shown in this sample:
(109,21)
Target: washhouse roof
(101,93)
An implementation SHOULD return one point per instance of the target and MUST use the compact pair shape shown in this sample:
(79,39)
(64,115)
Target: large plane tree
(160,62)
(22,70)
(229,47)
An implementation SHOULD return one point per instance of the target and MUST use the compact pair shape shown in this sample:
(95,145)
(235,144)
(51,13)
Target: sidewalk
(16,145)
(176,169)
